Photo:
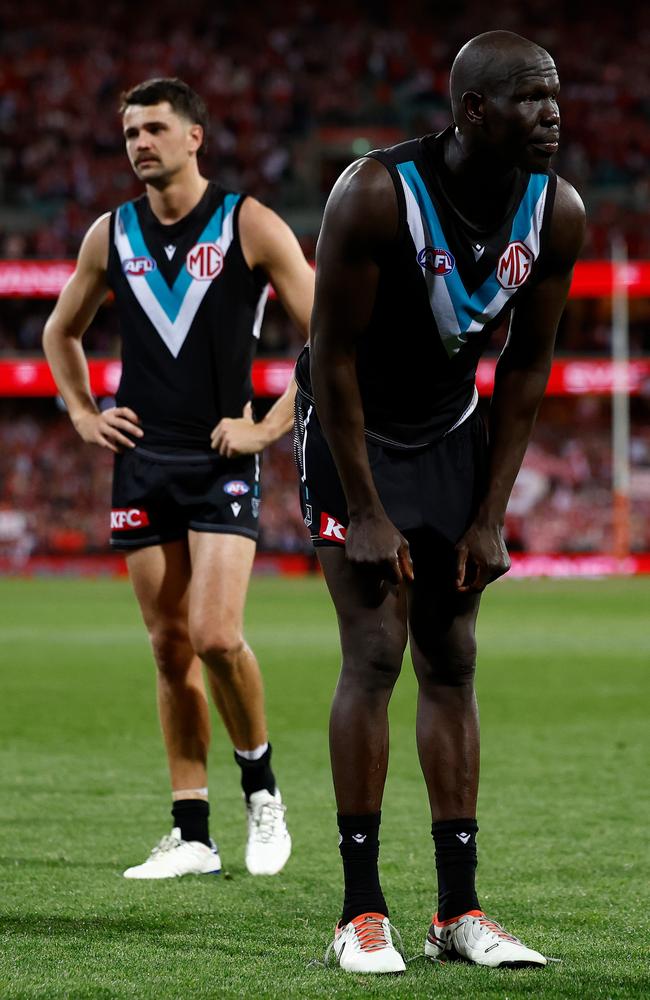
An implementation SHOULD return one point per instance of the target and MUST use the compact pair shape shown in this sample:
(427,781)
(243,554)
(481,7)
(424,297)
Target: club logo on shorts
(438,260)
(236,488)
(204,261)
(309,515)
(128,519)
(514,265)
(331,529)
(137,266)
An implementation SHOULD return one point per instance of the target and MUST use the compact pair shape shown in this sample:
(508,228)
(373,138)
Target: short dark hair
(183,100)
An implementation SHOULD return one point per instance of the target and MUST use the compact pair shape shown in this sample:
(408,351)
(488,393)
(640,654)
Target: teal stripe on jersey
(523,220)
(171,299)
(470,308)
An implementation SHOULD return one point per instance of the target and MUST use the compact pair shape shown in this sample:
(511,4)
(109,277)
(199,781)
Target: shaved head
(489,62)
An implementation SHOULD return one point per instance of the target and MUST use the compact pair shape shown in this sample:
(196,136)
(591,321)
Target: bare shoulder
(253,214)
(362,207)
(568,224)
(266,239)
(93,253)
(365,187)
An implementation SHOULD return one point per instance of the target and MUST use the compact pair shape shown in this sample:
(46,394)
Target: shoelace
(494,928)
(266,821)
(166,844)
(384,942)
(372,934)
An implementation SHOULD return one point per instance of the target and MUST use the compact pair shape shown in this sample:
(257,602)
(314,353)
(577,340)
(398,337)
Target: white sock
(253,754)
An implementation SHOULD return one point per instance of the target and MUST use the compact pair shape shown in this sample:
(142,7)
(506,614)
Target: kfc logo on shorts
(514,265)
(331,529)
(204,261)
(236,488)
(438,260)
(137,266)
(128,518)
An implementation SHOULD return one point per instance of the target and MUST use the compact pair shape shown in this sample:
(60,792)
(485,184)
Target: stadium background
(296,91)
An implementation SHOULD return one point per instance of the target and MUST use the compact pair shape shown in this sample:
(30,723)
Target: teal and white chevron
(457,313)
(171,310)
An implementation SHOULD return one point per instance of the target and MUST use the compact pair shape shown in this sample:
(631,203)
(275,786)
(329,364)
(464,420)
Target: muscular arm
(360,220)
(268,242)
(520,381)
(74,312)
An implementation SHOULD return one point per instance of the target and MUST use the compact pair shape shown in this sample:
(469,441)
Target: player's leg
(443,646)
(160,575)
(372,627)
(221,567)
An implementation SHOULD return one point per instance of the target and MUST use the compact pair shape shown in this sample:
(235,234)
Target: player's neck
(178,197)
(478,185)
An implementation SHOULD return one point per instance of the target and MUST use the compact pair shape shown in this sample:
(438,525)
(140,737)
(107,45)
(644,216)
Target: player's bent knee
(373,660)
(452,669)
(218,648)
(171,648)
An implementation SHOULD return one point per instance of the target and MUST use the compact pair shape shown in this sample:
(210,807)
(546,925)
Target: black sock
(456,861)
(191,815)
(256,774)
(359,847)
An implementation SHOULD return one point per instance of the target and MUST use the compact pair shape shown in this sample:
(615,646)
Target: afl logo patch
(438,260)
(236,488)
(514,266)
(204,261)
(138,265)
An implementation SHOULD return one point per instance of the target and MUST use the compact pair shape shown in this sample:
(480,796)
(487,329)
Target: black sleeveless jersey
(190,311)
(444,286)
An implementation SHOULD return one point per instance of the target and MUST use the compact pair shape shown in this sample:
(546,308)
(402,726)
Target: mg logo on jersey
(138,265)
(331,529)
(204,261)
(437,260)
(128,518)
(514,265)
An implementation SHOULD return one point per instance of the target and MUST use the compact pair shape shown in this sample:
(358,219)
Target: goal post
(620,402)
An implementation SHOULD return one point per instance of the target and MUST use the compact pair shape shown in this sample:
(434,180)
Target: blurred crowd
(277,76)
(292,89)
(55,491)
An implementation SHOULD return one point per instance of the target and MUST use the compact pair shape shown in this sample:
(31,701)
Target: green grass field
(563,685)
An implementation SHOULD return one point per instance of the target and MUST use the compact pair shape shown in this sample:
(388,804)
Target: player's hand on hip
(372,541)
(482,557)
(235,436)
(113,428)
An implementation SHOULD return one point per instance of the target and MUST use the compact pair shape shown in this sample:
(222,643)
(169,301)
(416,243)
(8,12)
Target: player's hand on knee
(113,428)
(238,436)
(374,542)
(482,557)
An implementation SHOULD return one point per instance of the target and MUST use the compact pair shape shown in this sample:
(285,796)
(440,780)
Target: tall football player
(425,249)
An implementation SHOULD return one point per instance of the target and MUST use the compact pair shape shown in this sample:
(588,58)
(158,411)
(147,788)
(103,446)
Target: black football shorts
(438,487)
(158,497)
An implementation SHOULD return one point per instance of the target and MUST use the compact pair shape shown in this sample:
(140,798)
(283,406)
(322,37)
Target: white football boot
(476,938)
(173,857)
(269,842)
(365,944)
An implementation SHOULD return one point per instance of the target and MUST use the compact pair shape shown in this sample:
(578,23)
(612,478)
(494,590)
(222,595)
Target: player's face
(522,117)
(159,143)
